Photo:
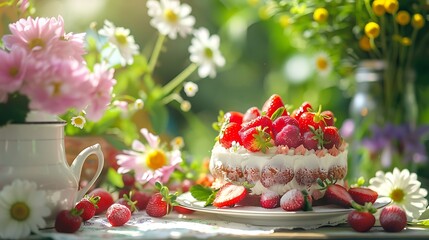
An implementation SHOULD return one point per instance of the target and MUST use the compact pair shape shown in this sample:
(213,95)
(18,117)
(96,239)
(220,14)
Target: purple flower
(150,162)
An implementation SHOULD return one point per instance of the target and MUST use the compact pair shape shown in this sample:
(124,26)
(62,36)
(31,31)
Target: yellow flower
(320,15)
(418,21)
(285,21)
(378,7)
(403,18)
(406,41)
(364,44)
(391,6)
(372,30)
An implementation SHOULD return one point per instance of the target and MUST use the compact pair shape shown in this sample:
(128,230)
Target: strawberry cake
(269,149)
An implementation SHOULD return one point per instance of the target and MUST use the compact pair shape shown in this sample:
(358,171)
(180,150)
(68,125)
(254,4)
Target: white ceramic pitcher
(34,151)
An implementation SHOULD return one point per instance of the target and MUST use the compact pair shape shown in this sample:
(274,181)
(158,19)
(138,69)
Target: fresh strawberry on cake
(272,150)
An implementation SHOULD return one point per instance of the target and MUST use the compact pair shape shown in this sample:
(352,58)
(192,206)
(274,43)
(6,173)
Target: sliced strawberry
(229,195)
(229,134)
(331,137)
(251,114)
(337,194)
(272,105)
(256,139)
(363,195)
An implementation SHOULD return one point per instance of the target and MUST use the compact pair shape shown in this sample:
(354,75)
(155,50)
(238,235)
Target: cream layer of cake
(279,169)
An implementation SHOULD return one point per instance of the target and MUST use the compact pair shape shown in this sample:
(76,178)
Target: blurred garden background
(269,47)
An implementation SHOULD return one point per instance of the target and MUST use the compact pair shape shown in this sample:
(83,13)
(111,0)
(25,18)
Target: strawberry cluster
(272,125)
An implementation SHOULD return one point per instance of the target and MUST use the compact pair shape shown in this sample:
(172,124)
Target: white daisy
(23,208)
(323,63)
(205,52)
(120,37)
(177,143)
(403,189)
(190,89)
(170,17)
(78,121)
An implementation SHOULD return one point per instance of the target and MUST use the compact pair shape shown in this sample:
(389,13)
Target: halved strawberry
(272,105)
(363,195)
(228,195)
(337,194)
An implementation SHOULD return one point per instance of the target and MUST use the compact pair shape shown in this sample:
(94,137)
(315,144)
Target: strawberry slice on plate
(229,195)
(363,195)
(337,194)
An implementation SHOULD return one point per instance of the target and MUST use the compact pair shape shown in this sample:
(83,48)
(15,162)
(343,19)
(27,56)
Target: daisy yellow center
(208,52)
(36,42)
(397,195)
(78,121)
(121,38)
(170,15)
(156,159)
(20,211)
(13,71)
(321,63)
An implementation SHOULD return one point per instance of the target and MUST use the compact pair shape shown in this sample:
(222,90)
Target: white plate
(327,215)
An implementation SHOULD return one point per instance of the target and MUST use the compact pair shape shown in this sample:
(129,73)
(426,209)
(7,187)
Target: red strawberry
(157,206)
(272,105)
(141,199)
(88,205)
(118,214)
(262,121)
(329,118)
(331,137)
(68,221)
(312,140)
(228,195)
(292,200)
(251,114)
(282,121)
(363,195)
(105,201)
(233,116)
(393,218)
(311,119)
(337,194)
(128,179)
(269,199)
(256,139)
(305,107)
(229,134)
(182,210)
(289,136)
(362,219)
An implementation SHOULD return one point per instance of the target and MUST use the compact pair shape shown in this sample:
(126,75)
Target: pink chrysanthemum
(150,162)
(12,70)
(36,36)
(102,79)
(70,46)
(57,85)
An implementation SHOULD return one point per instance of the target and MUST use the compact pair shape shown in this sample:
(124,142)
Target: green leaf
(114,178)
(425,215)
(210,199)
(201,193)
(15,110)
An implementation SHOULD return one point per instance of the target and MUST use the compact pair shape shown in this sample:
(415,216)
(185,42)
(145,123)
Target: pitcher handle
(76,167)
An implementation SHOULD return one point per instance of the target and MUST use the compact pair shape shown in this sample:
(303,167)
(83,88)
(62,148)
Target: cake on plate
(270,149)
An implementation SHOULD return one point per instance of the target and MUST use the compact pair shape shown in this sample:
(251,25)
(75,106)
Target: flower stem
(155,54)
(175,82)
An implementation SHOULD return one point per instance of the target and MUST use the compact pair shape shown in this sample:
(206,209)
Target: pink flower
(36,36)
(69,46)
(150,162)
(103,82)
(56,85)
(12,70)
